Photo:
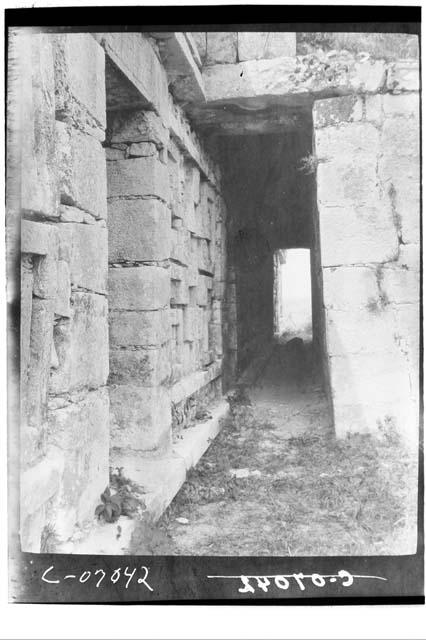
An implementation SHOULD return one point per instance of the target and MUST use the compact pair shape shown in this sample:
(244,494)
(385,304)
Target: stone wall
(166,223)
(135,299)
(369,215)
(64,313)
(228,47)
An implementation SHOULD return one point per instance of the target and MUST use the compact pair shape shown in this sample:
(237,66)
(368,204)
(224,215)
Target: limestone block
(138,328)
(38,238)
(179,293)
(368,418)
(406,105)
(400,137)
(111,154)
(41,481)
(200,39)
(402,282)
(407,335)
(361,332)
(45,276)
(201,292)
(80,77)
(138,177)
(346,288)
(135,56)
(219,287)
(332,112)
(370,378)
(30,530)
(192,182)
(145,367)
(192,276)
(346,173)
(62,302)
(35,133)
(182,69)
(257,45)
(215,338)
(180,246)
(221,47)
(142,418)
(190,317)
(403,76)
(142,150)
(138,230)
(144,288)
(139,127)
(293,78)
(357,234)
(81,345)
(81,170)
(81,430)
(399,169)
(41,339)
(204,260)
(88,255)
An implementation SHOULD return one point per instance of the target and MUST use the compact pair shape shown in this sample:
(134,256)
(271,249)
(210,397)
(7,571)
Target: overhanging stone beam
(230,119)
(292,81)
(182,71)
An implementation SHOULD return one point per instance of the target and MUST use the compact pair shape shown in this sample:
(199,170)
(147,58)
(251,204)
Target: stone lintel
(292,80)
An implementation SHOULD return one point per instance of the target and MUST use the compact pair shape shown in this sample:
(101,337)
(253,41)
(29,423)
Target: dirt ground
(276,481)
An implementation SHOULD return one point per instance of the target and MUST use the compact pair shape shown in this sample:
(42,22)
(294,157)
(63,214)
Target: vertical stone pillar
(139,223)
(368,205)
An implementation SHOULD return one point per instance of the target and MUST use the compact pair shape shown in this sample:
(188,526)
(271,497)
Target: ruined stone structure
(158,174)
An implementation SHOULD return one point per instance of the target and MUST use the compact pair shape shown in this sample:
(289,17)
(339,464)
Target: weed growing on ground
(314,495)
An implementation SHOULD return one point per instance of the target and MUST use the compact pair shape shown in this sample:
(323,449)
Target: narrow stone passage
(277,482)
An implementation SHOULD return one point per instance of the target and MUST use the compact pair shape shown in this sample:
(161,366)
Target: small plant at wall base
(309,164)
(125,501)
(110,509)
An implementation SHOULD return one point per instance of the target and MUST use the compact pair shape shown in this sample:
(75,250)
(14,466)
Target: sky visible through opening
(294,296)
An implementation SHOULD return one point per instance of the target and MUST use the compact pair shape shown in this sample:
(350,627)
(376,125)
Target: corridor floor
(276,482)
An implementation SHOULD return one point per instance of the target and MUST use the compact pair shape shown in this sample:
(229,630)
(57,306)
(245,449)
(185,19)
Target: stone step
(171,469)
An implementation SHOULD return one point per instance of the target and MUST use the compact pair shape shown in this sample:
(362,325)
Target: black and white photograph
(213,262)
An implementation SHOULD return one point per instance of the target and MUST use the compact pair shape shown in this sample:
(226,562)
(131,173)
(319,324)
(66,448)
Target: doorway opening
(292,294)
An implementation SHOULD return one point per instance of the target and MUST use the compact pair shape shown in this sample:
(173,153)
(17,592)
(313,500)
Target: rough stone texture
(80,87)
(139,288)
(37,125)
(221,47)
(86,249)
(287,81)
(139,126)
(403,76)
(138,230)
(254,45)
(78,430)
(134,55)
(200,39)
(182,69)
(40,360)
(82,170)
(149,367)
(81,345)
(368,208)
(138,177)
(138,328)
(391,46)
(141,418)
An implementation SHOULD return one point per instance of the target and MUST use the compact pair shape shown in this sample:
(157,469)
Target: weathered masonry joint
(159,174)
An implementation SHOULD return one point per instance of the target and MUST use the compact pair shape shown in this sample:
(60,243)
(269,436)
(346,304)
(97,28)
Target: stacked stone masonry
(369,216)
(147,245)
